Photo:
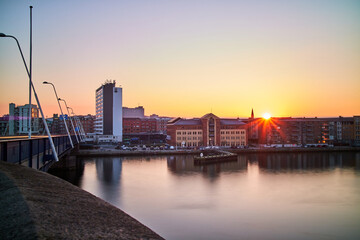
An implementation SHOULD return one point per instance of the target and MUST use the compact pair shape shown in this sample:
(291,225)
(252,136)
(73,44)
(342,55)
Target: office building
(19,119)
(109,111)
(208,130)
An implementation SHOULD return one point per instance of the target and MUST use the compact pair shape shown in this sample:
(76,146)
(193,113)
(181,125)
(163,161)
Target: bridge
(35,152)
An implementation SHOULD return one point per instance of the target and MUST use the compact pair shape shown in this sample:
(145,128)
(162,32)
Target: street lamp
(29,74)
(62,114)
(72,124)
(78,124)
(37,99)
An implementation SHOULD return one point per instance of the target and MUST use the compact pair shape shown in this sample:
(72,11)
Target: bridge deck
(35,152)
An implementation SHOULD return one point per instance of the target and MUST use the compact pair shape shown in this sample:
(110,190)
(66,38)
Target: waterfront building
(140,129)
(109,111)
(4,125)
(146,130)
(87,122)
(161,123)
(211,130)
(56,125)
(302,131)
(139,125)
(18,122)
(357,131)
(208,130)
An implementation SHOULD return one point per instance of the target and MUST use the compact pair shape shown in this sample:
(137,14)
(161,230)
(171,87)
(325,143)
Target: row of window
(232,137)
(189,133)
(233,132)
(232,143)
(189,144)
(188,138)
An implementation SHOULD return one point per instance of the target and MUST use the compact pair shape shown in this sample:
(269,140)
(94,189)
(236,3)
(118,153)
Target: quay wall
(37,205)
(120,153)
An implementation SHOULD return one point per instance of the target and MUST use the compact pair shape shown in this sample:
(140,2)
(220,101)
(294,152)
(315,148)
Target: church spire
(252,113)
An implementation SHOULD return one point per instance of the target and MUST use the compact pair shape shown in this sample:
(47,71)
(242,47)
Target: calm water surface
(259,196)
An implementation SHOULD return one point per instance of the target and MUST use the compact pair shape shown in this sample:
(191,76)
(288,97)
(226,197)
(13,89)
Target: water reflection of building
(182,165)
(307,161)
(108,170)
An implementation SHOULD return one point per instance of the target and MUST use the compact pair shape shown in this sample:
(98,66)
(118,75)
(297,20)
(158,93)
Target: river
(259,196)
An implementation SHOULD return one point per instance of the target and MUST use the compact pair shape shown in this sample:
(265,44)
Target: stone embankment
(37,205)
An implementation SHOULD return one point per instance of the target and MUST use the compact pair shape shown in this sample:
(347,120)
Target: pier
(215,156)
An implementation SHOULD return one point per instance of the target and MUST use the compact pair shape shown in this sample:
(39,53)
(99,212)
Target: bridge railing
(35,152)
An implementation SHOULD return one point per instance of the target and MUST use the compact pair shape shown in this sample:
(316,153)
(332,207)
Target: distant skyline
(187,58)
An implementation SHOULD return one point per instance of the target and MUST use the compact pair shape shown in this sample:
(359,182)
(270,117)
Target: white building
(19,119)
(108,106)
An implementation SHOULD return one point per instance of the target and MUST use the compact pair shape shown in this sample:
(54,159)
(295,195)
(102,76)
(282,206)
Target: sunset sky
(188,58)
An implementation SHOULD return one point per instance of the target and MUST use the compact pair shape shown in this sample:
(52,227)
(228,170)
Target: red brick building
(88,122)
(208,130)
(139,125)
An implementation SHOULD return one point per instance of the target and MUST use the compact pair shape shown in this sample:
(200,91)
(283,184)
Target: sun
(266,116)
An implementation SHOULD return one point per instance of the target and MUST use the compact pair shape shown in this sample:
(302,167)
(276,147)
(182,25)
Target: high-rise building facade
(108,106)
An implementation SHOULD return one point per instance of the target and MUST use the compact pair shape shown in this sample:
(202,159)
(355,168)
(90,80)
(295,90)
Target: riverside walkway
(37,205)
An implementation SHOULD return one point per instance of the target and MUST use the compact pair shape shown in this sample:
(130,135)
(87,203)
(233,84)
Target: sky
(187,58)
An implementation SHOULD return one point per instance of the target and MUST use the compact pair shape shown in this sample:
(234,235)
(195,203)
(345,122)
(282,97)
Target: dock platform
(216,157)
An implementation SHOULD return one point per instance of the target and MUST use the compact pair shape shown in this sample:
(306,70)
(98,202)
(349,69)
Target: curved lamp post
(37,99)
(76,123)
(72,124)
(62,114)
(30,81)
(79,125)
